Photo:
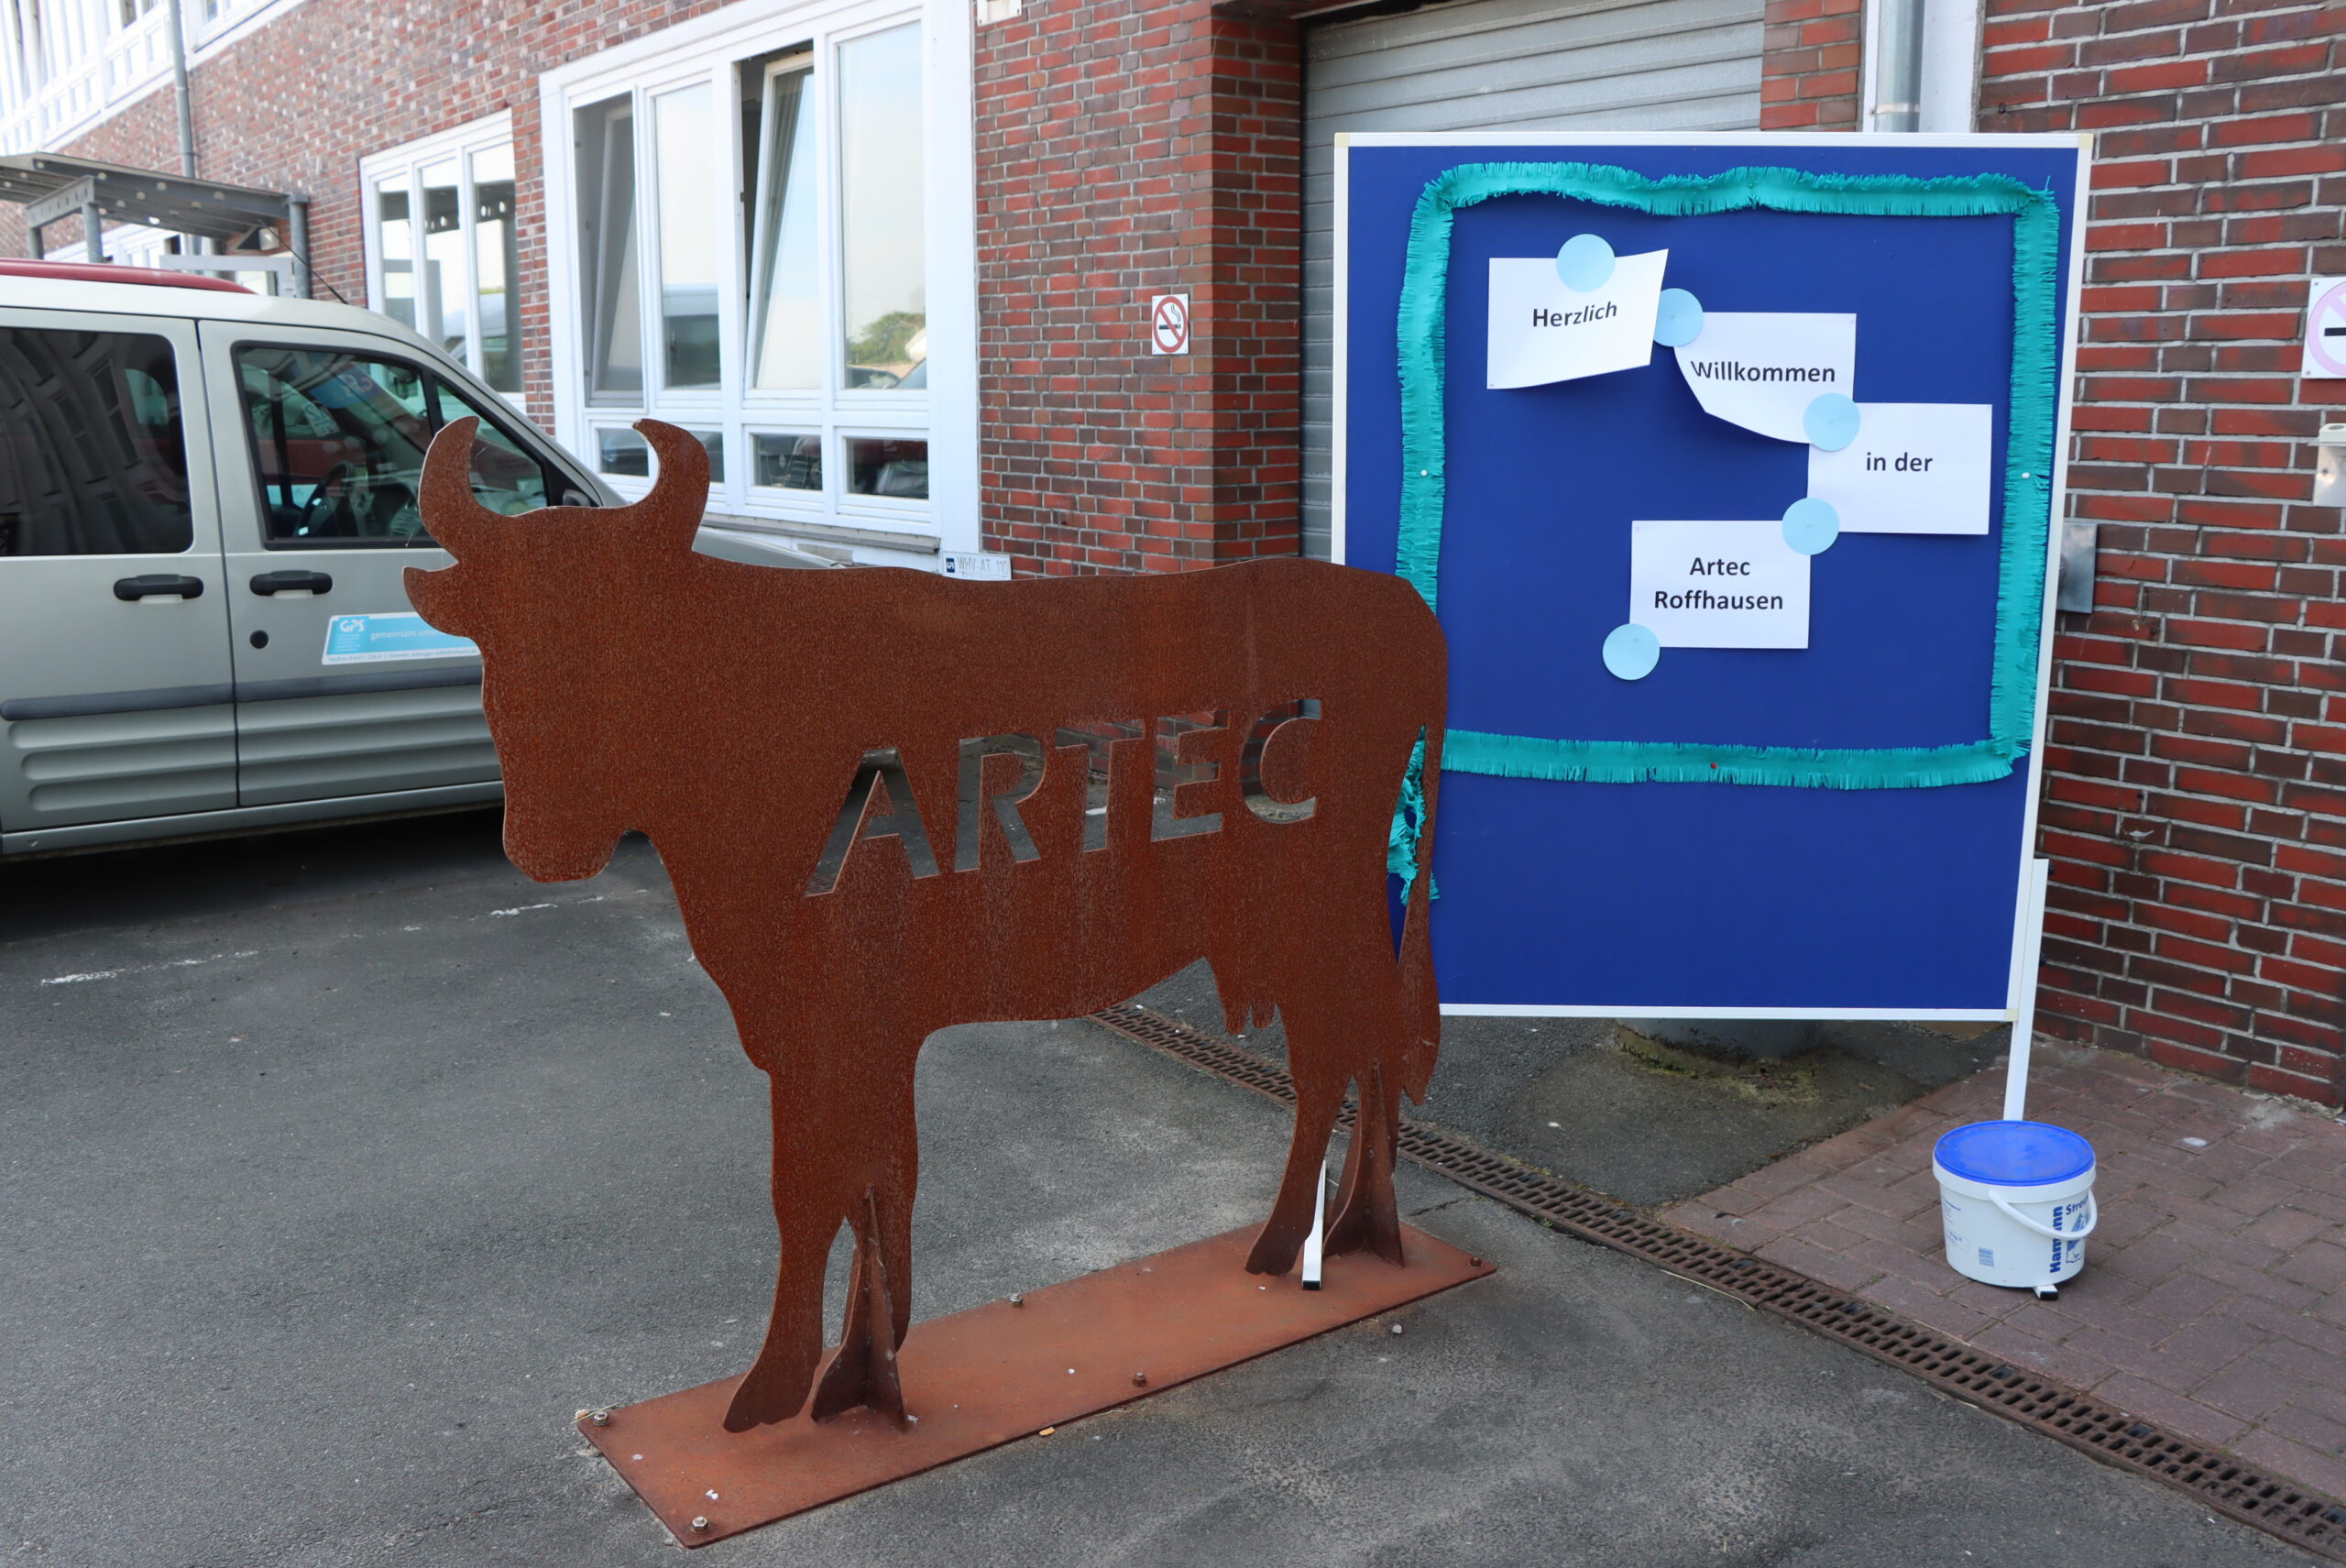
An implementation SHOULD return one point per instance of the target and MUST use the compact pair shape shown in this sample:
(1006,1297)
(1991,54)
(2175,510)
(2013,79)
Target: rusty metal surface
(999,1371)
(939,738)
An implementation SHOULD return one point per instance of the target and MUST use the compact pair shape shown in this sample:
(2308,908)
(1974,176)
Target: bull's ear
(671,514)
(451,515)
(439,597)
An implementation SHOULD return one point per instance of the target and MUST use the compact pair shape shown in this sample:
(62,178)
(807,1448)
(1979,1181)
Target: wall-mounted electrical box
(2329,466)
(2078,543)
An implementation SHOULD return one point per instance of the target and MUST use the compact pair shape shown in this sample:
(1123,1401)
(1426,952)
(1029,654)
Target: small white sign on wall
(1168,323)
(2325,350)
(1719,584)
(1914,468)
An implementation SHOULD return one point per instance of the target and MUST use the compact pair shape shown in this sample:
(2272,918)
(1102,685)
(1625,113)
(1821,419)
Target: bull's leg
(779,1380)
(1318,1097)
(892,1225)
(863,1369)
(1368,1213)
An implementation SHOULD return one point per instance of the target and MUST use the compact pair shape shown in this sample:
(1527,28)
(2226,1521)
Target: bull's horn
(671,512)
(451,513)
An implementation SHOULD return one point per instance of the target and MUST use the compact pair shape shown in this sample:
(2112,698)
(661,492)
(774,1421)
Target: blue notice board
(1823,808)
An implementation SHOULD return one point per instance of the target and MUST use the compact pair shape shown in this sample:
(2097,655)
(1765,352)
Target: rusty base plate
(982,1377)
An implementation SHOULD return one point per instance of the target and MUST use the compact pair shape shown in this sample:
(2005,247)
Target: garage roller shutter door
(1512,65)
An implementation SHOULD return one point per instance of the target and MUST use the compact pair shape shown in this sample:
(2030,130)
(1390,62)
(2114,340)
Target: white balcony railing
(77,63)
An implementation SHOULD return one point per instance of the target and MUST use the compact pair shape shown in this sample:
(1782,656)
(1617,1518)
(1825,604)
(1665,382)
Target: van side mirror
(574,497)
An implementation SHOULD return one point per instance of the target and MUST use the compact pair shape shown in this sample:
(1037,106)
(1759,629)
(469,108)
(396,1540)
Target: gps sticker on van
(384,639)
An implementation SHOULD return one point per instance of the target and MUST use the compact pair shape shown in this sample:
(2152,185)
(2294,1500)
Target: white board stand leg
(2031,948)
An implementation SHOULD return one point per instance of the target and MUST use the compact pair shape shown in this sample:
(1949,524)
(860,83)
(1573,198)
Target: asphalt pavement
(338,1170)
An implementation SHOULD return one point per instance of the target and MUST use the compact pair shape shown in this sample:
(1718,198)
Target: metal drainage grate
(2214,1478)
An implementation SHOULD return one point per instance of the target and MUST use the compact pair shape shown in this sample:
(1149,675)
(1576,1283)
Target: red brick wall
(1124,151)
(2195,807)
(1808,75)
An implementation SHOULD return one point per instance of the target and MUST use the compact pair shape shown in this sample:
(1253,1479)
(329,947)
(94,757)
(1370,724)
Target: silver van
(207,500)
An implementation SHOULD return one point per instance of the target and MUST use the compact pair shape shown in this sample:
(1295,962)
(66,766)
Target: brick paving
(2213,1299)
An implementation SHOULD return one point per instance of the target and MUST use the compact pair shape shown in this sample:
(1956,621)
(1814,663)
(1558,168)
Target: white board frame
(2028,921)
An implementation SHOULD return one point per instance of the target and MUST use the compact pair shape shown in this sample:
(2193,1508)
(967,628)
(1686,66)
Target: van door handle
(293,583)
(157,585)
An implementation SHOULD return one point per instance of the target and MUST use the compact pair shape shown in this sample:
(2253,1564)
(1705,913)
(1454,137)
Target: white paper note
(1542,332)
(1761,369)
(1719,584)
(1914,468)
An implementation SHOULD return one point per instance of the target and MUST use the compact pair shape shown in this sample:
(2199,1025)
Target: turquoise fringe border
(2028,463)
(1635,761)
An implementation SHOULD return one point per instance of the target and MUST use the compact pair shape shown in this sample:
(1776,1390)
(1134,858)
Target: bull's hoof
(1275,1250)
(765,1397)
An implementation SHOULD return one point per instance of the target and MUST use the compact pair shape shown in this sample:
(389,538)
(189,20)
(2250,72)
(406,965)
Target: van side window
(338,441)
(92,456)
(505,478)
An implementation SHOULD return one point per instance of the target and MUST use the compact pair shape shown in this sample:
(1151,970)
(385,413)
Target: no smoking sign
(1168,323)
(2325,351)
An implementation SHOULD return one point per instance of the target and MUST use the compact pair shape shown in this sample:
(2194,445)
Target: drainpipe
(181,99)
(94,248)
(183,103)
(297,212)
(1898,66)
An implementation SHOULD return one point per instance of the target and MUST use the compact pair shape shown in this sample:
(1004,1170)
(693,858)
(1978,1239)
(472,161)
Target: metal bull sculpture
(875,793)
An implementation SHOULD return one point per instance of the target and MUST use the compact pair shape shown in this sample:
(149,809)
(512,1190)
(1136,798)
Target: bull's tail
(1421,1004)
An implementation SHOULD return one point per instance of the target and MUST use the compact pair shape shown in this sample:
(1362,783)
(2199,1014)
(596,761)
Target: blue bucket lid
(2015,1154)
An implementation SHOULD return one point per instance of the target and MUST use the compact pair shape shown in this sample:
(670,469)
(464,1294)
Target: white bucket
(2017,1202)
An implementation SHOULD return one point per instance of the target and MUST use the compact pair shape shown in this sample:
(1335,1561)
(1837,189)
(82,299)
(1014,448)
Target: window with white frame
(442,254)
(775,298)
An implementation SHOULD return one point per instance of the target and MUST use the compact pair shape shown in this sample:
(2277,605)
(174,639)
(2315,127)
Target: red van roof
(107,272)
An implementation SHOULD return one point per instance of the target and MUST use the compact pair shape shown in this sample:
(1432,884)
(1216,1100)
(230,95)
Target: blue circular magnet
(1584,263)
(1679,321)
(1831,422)
(1811,526)
(1631,652)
